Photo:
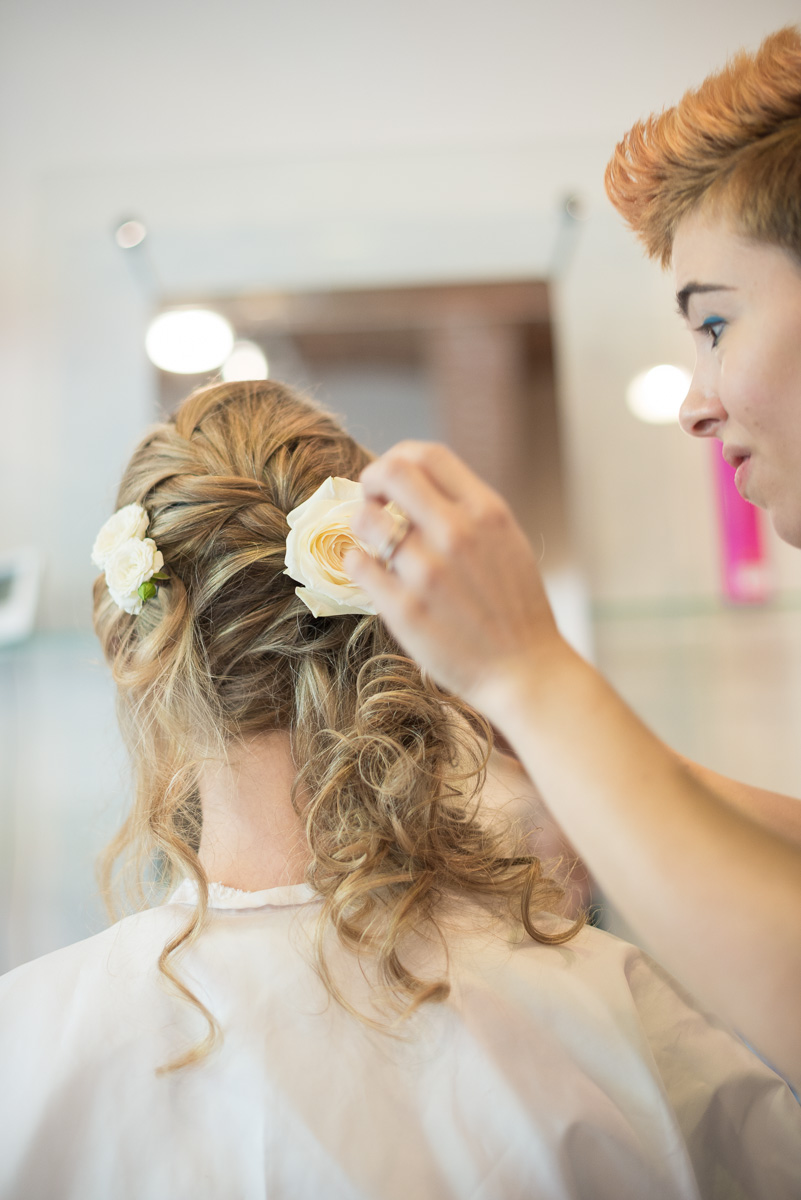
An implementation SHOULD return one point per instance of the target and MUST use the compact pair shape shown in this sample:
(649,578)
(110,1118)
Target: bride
(347,975)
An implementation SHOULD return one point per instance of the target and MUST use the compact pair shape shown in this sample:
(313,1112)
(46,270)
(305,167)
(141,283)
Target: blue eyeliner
(715,327)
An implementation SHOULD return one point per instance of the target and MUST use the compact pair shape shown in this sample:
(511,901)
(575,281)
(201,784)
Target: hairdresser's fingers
(374,525)
(415,553)
(398,479)
(451,477)
(471,610)
(406,605)
(383,586)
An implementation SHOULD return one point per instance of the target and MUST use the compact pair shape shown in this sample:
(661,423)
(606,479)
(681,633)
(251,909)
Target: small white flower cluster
(130,560)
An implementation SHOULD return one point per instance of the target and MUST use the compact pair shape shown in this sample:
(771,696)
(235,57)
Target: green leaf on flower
(159,575)
(146,591)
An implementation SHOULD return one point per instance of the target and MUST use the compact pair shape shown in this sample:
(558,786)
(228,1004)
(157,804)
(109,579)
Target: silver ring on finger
(400,529)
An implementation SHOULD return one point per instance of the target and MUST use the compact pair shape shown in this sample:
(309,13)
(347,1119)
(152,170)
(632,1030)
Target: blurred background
(401,207)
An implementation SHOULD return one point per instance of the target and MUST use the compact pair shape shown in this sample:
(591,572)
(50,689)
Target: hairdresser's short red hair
(733,146)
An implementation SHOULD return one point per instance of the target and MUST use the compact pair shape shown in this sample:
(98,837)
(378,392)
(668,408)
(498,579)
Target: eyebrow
(692,289)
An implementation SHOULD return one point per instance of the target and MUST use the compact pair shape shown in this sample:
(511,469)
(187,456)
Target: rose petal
(346,489)
(130,602)
(321,605)
(128,522)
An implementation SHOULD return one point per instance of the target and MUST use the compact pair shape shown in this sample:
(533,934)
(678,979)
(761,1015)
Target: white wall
(271,145)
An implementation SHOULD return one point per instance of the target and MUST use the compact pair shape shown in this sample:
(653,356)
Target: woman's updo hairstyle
(390,766)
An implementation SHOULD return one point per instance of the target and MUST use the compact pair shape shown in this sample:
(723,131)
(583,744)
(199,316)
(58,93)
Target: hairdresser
(706,869)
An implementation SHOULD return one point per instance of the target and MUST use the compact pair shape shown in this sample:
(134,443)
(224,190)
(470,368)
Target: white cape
(549,1073)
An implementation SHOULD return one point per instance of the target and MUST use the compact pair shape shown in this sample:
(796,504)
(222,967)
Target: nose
(701,413)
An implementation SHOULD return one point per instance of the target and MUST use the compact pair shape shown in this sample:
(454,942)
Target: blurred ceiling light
(575,208)
(188,341)
(246,361)
(130,234)
(656,396)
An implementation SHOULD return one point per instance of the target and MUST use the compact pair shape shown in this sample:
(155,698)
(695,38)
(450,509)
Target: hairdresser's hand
(463,594)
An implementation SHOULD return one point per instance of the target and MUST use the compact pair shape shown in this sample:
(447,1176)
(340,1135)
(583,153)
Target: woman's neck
(252,837)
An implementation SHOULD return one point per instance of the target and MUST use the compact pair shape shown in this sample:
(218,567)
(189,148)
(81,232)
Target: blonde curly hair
(391,766)
(733,144)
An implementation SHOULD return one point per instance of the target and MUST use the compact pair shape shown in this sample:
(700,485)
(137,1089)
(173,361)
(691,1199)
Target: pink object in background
(746,572)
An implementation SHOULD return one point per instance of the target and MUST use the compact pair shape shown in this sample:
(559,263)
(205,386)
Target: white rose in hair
(131,565)
(319,536)
(128,522)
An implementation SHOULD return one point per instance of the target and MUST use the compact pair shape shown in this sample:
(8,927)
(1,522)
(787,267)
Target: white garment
(550,1072)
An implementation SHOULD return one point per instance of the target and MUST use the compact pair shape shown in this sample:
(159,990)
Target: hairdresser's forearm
(716,897)
(781,814)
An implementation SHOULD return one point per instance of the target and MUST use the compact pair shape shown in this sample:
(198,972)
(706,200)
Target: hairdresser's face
(743,306)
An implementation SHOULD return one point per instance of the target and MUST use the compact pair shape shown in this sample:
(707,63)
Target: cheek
(737,393)
(764,395)
(746,388)
(770,376)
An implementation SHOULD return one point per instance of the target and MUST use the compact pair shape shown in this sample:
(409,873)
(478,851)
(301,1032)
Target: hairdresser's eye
(712,328)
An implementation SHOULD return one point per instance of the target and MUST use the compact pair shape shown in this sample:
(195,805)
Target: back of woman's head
(731,147)
(388,766)
(224,650)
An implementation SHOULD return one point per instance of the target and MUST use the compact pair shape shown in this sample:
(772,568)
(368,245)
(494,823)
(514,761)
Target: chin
(788,526)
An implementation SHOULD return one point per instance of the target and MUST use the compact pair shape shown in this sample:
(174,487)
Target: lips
(741,476)
(739,459)
(735,456)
